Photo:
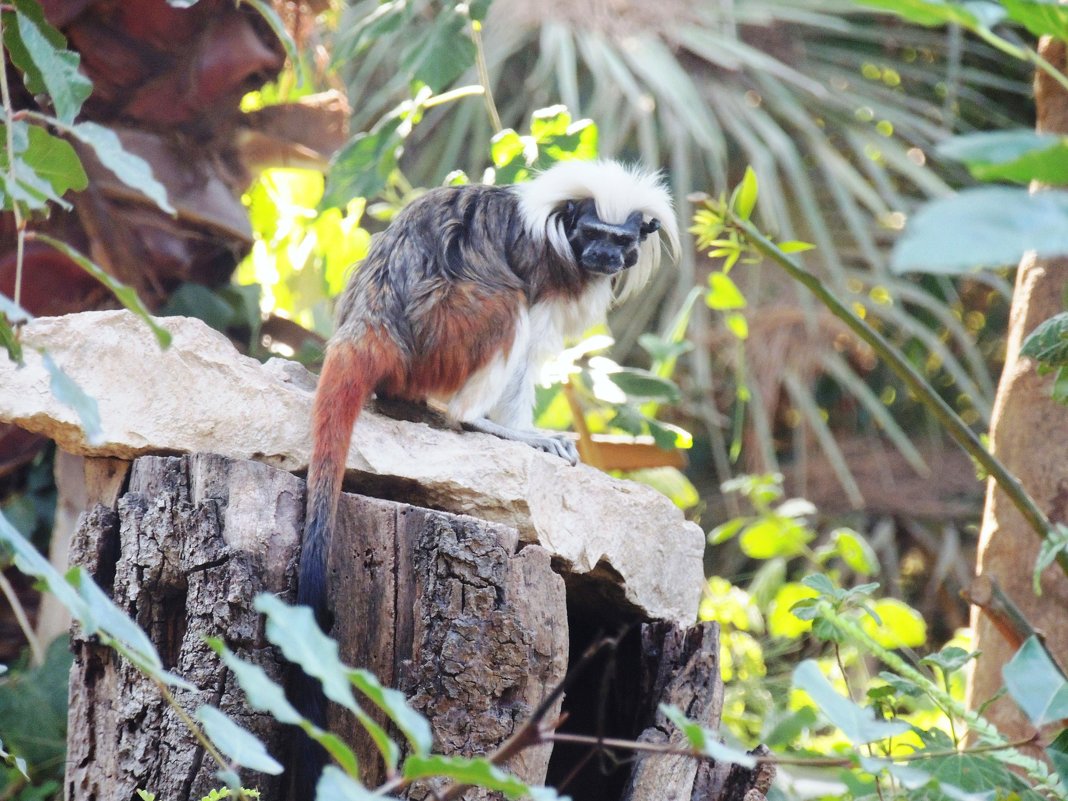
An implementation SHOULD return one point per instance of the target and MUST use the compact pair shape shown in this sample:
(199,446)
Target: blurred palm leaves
(836,109)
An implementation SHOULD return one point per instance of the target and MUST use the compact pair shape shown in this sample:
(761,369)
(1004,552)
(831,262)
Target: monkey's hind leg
(557,444)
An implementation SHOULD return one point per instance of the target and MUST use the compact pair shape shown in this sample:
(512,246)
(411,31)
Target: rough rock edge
(202,395)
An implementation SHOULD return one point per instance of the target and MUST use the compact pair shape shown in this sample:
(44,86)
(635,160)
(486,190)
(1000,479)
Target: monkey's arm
(557,444)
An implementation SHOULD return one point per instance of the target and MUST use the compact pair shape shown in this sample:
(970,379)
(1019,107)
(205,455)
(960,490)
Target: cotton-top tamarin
(462,300)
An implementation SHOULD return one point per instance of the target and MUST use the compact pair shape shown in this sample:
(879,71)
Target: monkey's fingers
(555,444)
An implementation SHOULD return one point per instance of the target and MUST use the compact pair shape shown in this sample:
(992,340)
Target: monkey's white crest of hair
(618,191)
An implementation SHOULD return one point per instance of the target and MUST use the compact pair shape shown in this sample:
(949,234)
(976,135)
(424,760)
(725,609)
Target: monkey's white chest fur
(503,389)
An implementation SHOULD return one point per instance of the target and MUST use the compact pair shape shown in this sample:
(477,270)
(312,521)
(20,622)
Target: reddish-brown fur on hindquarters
(350,374)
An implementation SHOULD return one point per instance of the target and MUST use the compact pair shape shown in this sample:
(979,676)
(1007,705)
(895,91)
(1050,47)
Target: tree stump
(473,627)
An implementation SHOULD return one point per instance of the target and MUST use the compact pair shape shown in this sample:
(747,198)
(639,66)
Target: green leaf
(507,147)
(775,535)
(795,246)
(1020,156)
(1048,343)
(294,630)
(54,160)
(642,385)
(1039,17)
(744,198)
(441,55)
(737,324)
(894,624)
(126,295)
(855,551)
(704,741)
(32,9)
(336,786)
(857,723)
(67,392)
(1057,751)
(724,294)
(268,13)
(262,694)
(1036,683)
(978,14)
(950,660)
(726,531)
(239,744)
(985,227)
(474,771)
(56,67)
(901,685)
(414,726)
(362,167)
(671,482)
(821,584)
(129,168)
(9,340)
(1053,545)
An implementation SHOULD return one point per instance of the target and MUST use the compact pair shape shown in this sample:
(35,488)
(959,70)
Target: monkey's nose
(600,259)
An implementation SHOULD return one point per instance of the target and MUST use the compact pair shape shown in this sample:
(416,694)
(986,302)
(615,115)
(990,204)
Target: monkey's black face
(602,247)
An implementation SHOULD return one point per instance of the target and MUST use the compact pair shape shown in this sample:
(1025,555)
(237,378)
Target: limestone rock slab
(201,395)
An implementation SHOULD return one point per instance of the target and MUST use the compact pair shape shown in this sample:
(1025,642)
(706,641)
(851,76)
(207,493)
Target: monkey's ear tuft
(650,227)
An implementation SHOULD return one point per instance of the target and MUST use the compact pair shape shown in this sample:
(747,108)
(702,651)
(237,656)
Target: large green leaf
(336,786)
(986,227)
(67,392)
(126,295)
(294,630)
(1048,343)
(478,772)
(129,168)
(54,160)
(56,67)
(441,55)
(1040,17)
(858,724)
(362,167)
(1036,684)
(1020,156)
(415,727)
(239,744)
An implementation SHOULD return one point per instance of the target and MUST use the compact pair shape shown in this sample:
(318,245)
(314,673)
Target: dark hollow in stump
(473,628)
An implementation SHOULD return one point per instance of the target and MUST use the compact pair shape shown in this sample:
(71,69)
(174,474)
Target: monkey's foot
(557,444)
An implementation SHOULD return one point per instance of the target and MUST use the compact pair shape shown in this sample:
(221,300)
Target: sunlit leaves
(1048,343)
(553,137)
(894,624)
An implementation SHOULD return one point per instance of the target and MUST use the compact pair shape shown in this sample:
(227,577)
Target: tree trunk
(1029,434)
(474,629)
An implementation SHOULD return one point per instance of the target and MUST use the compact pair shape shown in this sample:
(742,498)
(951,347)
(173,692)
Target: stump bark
(473,627)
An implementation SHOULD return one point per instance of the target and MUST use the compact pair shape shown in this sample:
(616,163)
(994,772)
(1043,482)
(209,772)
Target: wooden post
(474,628)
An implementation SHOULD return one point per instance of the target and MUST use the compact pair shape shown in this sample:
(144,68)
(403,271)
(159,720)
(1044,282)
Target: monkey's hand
(557,444)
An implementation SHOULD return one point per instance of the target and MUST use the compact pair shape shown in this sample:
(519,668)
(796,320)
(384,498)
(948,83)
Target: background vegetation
(842,646)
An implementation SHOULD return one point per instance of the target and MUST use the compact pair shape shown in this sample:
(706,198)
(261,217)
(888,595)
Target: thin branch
(36,650)
(191,724)
(483,76)
(942,411)
(20,222)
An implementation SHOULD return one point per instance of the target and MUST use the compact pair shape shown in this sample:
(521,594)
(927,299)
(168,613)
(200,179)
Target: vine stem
(1035,768)
(942,411)
(483,76)
(9,130)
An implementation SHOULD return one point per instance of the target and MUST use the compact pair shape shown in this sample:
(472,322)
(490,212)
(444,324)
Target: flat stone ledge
(201,395)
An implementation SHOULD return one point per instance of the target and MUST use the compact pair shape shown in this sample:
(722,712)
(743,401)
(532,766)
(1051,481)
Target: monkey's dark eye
(592,233)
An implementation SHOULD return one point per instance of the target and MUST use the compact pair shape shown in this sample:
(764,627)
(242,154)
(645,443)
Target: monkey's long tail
(348,378)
